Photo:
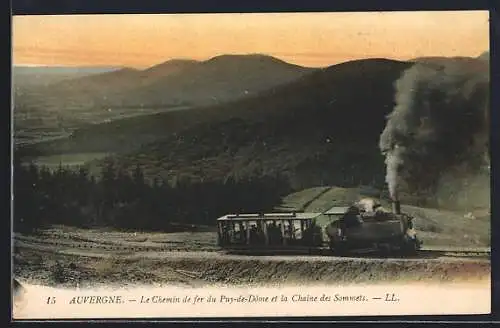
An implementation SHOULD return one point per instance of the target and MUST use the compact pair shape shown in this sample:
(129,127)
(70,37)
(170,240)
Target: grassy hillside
(170,83)
(347,100)
(435,227)
(217,80)
(30,76)
(322,129)
(109,88)
(62,107)
(318,131)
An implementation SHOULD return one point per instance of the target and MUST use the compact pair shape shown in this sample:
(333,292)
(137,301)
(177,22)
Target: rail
(23,241)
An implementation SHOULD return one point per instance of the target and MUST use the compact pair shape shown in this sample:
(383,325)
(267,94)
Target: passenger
(243,235)
(274,234)
(271,227)
(232,236)
(260,233)
(254,237)
(307,236)
(351,217)
(224,237)
(279,234)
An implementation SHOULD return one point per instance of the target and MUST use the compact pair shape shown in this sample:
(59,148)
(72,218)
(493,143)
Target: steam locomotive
(355,228)
(375,229)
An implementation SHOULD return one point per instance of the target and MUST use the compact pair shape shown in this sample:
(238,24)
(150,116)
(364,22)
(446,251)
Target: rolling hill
(217,80)
(480,65)
(26,76)
(171,83)
(435,227)
(321,129)
(109,88)
(52,110)
(346,100)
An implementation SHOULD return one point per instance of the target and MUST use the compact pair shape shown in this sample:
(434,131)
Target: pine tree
(108,196)
(138,176)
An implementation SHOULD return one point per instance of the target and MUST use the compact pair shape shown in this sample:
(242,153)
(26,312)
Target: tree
(108,191)
(138,176)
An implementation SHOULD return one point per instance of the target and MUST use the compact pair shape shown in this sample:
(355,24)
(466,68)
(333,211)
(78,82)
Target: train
(362,226)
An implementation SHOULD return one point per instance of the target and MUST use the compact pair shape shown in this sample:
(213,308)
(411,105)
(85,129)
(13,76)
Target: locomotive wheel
(409,246)
(338,249)
(385,250)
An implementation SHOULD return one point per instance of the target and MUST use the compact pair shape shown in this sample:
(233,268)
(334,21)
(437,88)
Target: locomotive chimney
(396,206)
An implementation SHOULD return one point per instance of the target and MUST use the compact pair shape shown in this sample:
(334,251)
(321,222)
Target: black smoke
(439,125)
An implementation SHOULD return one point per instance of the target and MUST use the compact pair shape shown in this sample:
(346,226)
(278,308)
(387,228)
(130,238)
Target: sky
(308,39)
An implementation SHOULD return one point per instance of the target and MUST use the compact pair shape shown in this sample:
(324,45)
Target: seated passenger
(351,217)
(254,236)
(273,233)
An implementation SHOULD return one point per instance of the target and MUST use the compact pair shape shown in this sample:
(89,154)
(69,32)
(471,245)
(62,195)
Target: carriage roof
(269,216)
(337,210)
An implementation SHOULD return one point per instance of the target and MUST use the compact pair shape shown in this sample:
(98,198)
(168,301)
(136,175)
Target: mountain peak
(172,63)
(254,57)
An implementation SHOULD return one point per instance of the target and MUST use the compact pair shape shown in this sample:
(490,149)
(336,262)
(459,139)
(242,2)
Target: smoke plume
(440,122)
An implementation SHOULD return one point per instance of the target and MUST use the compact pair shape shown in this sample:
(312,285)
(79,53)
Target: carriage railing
(268,231)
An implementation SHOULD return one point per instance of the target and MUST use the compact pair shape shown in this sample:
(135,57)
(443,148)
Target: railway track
(113,246)
(97,245)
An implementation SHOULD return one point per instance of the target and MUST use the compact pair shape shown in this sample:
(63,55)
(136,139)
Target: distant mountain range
(173,83)
(249,116)
(62,70)
(322,127)
(45,75)
(439,59)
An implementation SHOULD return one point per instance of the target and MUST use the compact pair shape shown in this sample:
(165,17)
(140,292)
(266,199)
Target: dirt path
(66,265)
(140,253)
